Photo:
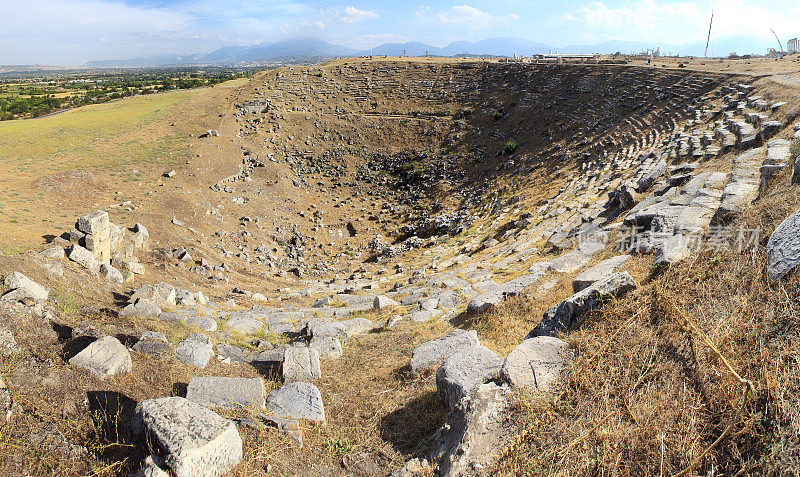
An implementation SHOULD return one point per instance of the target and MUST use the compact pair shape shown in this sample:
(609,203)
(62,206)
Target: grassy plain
(53,167)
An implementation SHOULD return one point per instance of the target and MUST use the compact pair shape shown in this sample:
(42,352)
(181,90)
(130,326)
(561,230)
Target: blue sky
(68,32)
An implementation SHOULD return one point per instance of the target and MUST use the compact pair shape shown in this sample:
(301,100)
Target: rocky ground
(376,267)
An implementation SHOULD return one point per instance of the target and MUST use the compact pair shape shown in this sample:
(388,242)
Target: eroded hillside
(421,267)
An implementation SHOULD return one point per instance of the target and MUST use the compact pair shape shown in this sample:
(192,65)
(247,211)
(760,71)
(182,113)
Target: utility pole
(370,46)
(779,40)
(708,40)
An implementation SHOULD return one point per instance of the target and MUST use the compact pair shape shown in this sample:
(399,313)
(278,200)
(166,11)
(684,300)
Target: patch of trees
(34,106)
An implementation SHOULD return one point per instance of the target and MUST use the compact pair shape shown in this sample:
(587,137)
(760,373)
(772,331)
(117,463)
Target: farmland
(35,94)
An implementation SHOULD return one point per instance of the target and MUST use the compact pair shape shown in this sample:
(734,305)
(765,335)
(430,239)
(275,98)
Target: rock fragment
(222,391)
(428,355)
(563,316)
(142,308)
(300,364)
(6,404)
(153,343)
(598,272)
(192,440)
(111,273)
(195,350)
(537,364)
(297,400)
(23,287)
(783,247)
(462,372)
(104,357)
(83,257)
(383,301)
(243,324)
(326,346)
(474,432)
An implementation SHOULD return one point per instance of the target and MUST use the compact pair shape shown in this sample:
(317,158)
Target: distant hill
(315,48)
(492,46)
(160,60)
(413,48)
(295,48)
(503,46)
(298,47)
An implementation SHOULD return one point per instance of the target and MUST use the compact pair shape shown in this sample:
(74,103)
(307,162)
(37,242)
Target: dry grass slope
(648,395)
(51,168)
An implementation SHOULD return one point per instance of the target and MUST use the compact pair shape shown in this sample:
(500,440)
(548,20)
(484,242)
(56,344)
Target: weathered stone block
(300,364)
(25,287)
(537,364)
(383,301)
(598,272)
(216,391)
(430,354)
(111,273)
(192,440)
(104,357)
(83,257)
(94,223)
(196,350)
(783,247)
(565,315)
(463,371)
(474,432)
(297,401)
(326,346)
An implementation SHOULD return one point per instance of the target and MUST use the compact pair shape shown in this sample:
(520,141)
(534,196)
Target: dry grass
(647,395)
(378,414)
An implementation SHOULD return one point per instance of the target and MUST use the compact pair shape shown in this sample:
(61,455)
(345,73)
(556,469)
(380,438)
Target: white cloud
(685,20)
(470,16)
(423,12)
(88,14)
(303,28)
(70,32)
(353,15)
(349,14)
(643,15)
(464,14)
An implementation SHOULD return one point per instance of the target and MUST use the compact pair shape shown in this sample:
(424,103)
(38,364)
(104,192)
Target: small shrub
(510,147)
(340,446)
(795,149)
(498,115)
(407,167)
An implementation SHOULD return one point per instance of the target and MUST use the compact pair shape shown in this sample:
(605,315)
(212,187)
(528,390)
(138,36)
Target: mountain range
(308,48)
